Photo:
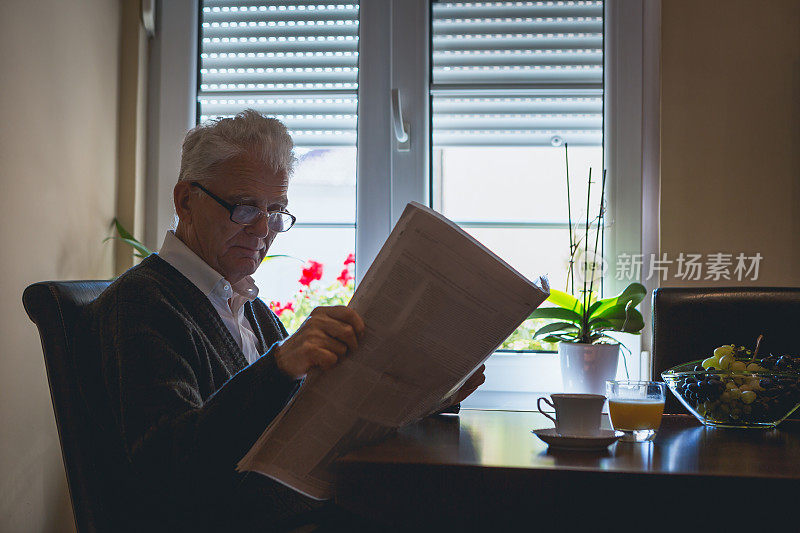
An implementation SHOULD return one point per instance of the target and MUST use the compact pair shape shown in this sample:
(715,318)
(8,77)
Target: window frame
(387,178)
(171,108)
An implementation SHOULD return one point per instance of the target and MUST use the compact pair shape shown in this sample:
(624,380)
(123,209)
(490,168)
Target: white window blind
(294,60)
(517,73)
(297,61)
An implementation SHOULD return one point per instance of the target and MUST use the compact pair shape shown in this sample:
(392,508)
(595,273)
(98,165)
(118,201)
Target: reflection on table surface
(504,439)
(486,471)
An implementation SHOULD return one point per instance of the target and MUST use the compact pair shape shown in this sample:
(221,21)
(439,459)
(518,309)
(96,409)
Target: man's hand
(473,382)
(325,336)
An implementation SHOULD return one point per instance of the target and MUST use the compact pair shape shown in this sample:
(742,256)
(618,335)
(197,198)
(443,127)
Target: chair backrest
(688,323)
(92,457)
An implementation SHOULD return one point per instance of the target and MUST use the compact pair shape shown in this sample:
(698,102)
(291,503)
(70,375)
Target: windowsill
(502,400)
(516,380)
(508,401)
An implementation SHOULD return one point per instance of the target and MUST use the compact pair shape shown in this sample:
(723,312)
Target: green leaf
(598,336)
(635,292)
(142,250)
(126,237)
(594,306)
(555,312)
(556,327)
(270,257)
(625,319)
(565,301)
(615,311)
(600,323)
(604,303)
(123,232)
(559,338)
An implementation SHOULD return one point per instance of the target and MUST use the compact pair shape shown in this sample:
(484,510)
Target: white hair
(248,134)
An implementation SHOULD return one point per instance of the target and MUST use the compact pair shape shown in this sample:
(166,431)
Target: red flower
(345,277)
(278,308)
(311,272)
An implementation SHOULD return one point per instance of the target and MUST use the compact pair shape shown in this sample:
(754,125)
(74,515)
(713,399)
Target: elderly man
(195,364)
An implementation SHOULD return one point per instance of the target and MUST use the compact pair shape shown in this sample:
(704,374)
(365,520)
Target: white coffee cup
(577,415)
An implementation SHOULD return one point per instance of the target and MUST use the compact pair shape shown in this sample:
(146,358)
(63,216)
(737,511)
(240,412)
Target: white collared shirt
(228,299)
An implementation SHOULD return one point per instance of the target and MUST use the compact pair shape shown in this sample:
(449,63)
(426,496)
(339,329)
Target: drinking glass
(635,408)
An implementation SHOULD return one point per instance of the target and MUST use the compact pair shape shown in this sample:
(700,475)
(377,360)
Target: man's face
(233,250)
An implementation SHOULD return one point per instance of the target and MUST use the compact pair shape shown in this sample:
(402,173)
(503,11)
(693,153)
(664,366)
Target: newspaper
(436,304)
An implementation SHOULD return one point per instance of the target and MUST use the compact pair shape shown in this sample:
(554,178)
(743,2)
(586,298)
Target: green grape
(723,350)
(725,362)
(738,366)
(711,361)
(752,381)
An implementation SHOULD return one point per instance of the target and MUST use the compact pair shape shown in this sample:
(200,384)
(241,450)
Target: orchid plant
(580,316)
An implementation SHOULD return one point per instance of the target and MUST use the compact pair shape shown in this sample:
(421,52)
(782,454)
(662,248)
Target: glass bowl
(735,399)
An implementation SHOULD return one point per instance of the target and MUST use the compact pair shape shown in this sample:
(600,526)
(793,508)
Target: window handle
(401,128)
(149,17)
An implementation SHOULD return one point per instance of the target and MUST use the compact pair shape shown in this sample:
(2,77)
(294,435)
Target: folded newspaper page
(436,304)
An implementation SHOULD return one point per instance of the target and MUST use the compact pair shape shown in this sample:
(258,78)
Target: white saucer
(598,442)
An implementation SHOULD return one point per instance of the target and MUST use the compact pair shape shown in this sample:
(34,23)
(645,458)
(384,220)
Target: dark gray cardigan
(186,404)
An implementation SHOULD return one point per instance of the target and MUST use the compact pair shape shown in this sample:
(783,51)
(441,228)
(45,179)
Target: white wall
(730,109)
(58,142)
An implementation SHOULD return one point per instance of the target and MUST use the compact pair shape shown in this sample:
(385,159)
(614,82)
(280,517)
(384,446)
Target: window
(488,92)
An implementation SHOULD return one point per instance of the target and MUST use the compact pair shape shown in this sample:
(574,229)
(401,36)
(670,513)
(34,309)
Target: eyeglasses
(247,215)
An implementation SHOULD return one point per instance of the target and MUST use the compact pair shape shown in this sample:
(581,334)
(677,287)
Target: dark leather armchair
(93,456)
(688,323)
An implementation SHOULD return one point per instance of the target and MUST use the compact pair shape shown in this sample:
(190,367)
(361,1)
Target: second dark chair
(688,323)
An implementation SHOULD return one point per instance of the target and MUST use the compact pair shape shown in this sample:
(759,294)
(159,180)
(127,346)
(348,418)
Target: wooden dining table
(484,470)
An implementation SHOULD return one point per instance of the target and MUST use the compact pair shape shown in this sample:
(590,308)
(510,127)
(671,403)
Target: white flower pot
(585,368)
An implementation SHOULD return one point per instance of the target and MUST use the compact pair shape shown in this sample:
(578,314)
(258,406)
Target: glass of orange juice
(635,408)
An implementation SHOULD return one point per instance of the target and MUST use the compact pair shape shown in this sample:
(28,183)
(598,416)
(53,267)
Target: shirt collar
(209,281)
